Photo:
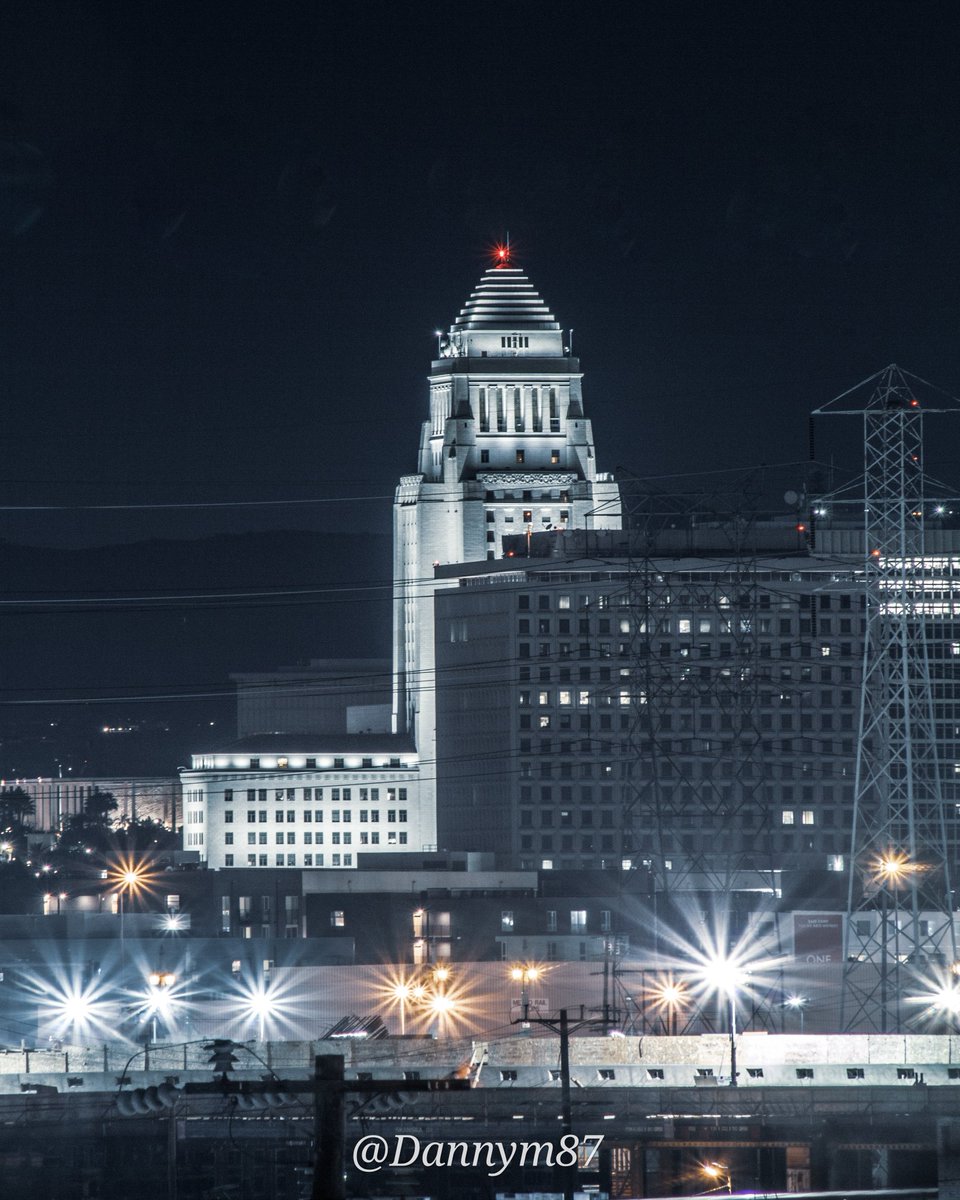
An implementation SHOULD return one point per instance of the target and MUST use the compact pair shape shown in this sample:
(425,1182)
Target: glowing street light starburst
(669,997)
(132,877)
(894,869)
(76,1012)
(428,996)
(706,962)
(939,996)
(271,1006)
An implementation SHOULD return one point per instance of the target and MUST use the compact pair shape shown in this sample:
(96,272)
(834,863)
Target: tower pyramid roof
(505,299)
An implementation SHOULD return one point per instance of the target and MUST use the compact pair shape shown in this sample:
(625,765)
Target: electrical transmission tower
(899,923)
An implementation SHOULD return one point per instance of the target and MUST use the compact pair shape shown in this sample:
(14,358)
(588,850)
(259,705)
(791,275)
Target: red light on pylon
(801,528)
(874,553)
(914,403)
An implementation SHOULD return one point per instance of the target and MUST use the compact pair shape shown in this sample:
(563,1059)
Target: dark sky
(227,232)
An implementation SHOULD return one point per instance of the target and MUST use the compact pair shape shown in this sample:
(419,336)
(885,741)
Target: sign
(818,937)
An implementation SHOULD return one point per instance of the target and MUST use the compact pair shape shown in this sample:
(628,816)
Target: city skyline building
(506,449)
(568,751)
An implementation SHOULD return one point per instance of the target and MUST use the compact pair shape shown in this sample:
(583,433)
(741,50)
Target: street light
(797,1003)
(159,1001)
(442,1008)
(261,1005)
(947,1000)
(524,974)
(718,1172)
(942,1000)
(670,998)
(726,976)
(402,993)
(129,878)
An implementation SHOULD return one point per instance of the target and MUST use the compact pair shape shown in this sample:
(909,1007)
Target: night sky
(227,233)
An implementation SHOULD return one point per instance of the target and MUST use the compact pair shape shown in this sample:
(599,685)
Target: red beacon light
(801,528)
(914,403)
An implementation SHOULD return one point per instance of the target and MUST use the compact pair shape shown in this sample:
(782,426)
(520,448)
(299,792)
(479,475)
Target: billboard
(818,937)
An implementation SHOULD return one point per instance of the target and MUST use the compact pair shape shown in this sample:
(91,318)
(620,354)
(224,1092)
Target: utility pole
(329,1133)
(560,1025)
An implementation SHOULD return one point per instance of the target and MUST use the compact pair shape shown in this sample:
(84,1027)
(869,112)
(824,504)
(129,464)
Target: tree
(144,834)
(91,829)
(97,808)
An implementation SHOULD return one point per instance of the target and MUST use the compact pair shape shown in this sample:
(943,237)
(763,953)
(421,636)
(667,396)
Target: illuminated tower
(506,449)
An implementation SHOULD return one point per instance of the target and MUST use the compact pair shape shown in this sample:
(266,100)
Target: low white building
(299,801)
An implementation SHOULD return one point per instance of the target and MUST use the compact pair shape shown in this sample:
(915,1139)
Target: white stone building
(506,449)
(283,801)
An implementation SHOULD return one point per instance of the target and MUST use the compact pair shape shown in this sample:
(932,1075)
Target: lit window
(806,817)
(337,919)
(787,817)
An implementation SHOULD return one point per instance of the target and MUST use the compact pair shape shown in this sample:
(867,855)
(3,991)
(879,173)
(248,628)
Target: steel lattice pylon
(899,913)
